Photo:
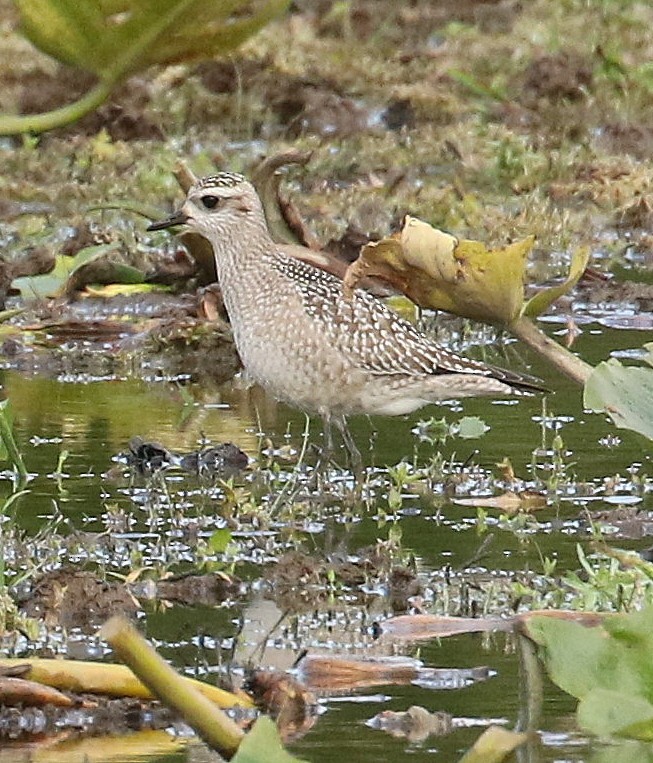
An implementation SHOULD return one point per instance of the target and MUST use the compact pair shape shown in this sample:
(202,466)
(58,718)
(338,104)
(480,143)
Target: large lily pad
(625,393)
(608,668)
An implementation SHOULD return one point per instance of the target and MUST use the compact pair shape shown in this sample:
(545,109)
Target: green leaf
(213,33)
(113,39)
(608,668)
(612,712)
(625,393)
(574,655)
(64,29)
(145,25)
(104,266)
(52,284)
(263,745)
(471,427)
(219,540)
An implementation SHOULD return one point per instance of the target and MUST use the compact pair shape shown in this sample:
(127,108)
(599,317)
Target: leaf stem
(37,123)
(564,360)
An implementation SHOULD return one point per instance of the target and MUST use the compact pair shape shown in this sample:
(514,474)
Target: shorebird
(305,341)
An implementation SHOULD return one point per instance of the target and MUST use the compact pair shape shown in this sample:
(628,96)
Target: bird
(306,341)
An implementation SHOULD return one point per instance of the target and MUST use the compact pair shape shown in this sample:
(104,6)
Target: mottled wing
(371,336)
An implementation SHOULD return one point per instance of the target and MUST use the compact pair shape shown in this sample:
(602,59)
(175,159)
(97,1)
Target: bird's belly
(328,385)
(307,376)
(307,388)
(390,405)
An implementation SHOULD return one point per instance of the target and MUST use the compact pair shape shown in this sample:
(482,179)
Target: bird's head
(214,204)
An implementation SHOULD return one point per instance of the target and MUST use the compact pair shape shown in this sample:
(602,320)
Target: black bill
(179,218)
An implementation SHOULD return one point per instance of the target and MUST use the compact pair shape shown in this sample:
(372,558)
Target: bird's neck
(242,253)
(245,259)
(245,262)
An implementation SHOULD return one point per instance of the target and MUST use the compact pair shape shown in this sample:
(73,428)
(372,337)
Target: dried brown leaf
(418,627)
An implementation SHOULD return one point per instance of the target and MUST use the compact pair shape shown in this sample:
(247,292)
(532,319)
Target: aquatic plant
(113,39)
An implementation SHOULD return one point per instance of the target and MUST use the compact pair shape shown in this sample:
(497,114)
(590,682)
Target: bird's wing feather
(373,337)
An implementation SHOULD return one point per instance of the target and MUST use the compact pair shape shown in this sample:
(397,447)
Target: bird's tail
(521,382)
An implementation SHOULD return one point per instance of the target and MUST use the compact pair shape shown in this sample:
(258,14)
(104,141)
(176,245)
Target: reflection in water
(133,747)
(107,414)
(95,421)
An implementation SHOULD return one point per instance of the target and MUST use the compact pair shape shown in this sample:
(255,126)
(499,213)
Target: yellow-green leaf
(539,303)
(123,289)
(113,39)
(64,29)
(494,745)
(437,270)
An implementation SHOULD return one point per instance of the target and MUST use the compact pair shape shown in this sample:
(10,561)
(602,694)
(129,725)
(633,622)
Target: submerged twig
(531,686)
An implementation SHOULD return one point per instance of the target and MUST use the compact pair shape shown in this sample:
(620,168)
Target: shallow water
(93,419)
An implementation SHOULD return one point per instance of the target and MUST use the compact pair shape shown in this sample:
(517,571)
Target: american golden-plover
(309,344)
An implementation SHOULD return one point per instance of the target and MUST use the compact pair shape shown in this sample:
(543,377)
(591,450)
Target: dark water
(93,420)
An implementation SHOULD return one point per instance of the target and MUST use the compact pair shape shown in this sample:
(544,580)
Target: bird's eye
(210,202)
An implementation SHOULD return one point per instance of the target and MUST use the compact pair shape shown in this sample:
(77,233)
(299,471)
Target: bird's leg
(326,452)
(353,454)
